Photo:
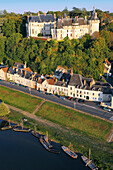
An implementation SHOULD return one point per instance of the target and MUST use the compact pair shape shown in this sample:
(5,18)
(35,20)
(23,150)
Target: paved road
(89,107)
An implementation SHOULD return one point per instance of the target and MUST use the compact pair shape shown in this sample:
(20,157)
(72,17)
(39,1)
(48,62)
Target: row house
(61,88)
(88,89)
(73,85)
(3,73)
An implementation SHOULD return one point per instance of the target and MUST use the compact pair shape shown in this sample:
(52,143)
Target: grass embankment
(83,131)
(75,120)
(18,99)
(101,151)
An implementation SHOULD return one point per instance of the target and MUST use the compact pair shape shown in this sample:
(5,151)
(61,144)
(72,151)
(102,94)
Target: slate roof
(76,80)
(42,18)
(61,83)
(19,65)
(70,21)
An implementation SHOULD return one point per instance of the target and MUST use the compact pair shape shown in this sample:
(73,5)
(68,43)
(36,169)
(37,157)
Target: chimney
(25,72)
(95,15)
(54,15)
(85,18)
(25,65)
(27,18)
(84,82)
(72,72)
(92,82)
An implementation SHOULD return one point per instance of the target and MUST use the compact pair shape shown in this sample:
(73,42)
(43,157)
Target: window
(93,94)
(87,97)
(87,92)
(80,95)
(70,93)
(73,95)
(67,30)
(99,94)
(84,92)
(77,91)
(80,91)
(32,31)
(70,88)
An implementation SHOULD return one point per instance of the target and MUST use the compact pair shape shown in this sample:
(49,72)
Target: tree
(4,110)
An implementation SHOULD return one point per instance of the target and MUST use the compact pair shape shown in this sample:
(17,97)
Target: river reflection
(22,151)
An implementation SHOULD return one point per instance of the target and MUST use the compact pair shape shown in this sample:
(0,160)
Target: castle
(49,26)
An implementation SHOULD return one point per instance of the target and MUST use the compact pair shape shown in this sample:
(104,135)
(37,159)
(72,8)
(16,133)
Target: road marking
(111,118)
(90,106)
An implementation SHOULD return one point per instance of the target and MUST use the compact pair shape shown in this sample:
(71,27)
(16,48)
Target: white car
(107,109)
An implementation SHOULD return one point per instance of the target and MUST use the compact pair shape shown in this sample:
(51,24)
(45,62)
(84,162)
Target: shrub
(4,110)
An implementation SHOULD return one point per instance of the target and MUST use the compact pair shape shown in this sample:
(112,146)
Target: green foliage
(18,99)
(4,110)
(84,56)
(40,35)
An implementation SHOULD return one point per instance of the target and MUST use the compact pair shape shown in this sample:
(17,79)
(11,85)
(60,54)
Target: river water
(22,151)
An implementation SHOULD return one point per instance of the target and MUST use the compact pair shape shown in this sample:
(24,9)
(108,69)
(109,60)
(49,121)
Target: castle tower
(93,23)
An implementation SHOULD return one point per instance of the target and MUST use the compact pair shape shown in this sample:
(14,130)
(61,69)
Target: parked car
(63,98)
(12,83)
(51,94)
(107,109)
(46,93)
(69,98)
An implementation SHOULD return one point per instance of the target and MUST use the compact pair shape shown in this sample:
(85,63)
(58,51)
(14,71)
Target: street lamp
(74,105)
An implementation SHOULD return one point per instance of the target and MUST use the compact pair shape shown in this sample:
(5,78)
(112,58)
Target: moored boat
(47,141)
(35,133)
(45,144)
(68,151)
(89,163)
(21,129)
(6,127)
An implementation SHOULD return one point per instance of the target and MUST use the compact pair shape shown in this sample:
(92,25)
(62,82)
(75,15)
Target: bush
(4,110)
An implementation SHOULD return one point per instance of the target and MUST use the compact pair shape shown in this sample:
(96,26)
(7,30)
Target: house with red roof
(3,73)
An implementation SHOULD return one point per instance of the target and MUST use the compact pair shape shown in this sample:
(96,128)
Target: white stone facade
(74,28)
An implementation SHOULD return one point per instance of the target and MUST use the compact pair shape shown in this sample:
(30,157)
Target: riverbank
(101,150)
(66,125)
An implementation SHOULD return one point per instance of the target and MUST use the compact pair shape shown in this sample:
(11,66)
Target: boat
(21,128)
(45,144)
(6,126)
(68,151)
(45,137)
(89,163)
(35,133)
